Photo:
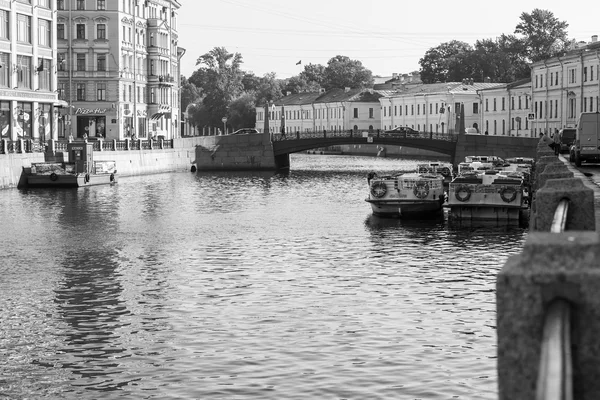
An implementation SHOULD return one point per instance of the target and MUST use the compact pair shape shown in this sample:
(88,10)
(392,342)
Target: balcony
(167,80)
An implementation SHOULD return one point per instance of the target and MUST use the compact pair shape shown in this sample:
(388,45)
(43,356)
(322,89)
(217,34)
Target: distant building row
(557,92)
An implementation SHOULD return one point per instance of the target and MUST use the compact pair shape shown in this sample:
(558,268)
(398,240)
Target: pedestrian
(556,142)
(282,133)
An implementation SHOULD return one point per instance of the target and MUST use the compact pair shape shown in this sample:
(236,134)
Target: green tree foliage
(269,89)
(543,36)
(189,93)
(343,72)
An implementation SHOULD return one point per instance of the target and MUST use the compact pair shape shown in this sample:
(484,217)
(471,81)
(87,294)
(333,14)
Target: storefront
(90,122)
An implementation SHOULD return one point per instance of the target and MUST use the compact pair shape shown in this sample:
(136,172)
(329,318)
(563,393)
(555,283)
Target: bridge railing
(548,306)
(37,146)
(360,134)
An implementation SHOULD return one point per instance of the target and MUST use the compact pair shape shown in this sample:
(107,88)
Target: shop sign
(90,111)
(141,113)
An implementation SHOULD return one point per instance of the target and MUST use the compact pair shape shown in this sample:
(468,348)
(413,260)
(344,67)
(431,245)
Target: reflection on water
(245,285)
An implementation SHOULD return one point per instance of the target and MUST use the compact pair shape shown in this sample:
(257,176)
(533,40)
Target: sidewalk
(592,181)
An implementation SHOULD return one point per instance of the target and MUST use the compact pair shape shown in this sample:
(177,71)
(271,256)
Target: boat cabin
(82,156)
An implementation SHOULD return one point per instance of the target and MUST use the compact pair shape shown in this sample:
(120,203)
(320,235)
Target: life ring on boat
(112,177)
(86,178)
(445,171)
(421,189)
(508,194)
(379,189)
(462,193)
(53,177)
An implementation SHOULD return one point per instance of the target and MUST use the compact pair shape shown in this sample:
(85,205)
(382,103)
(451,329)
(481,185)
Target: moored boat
(443,168)
(488,195)
(81,170)
(406,194)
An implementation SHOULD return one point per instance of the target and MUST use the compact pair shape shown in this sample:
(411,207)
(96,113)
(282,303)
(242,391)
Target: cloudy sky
(388,36)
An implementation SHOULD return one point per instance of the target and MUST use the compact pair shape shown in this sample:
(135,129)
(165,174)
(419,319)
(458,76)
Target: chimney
(594,38)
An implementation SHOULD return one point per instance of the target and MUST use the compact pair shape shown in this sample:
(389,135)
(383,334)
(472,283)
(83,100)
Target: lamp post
(224,120)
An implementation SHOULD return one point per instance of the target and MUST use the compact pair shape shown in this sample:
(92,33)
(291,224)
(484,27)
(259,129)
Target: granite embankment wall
(229,152)
(501,146)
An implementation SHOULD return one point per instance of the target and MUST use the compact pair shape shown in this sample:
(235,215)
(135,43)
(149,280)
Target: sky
(386,36)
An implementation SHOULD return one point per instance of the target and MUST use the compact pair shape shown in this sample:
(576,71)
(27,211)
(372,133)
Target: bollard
(553,171)
(551,266)
(581,199)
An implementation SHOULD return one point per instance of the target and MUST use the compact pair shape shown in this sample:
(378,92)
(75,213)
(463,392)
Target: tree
(189,93)
(543,35)
(220,79)
(269,89)
(343,72)
(242,112)
(297,84)
(313,75)
(443,63)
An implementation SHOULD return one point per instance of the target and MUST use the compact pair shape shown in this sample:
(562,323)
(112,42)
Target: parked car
(245,131)
(403,130)
(567,138)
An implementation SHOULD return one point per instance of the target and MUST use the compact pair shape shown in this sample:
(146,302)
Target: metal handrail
(555,376)
(559,222)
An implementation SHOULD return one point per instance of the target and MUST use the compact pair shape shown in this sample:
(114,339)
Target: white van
(587,144)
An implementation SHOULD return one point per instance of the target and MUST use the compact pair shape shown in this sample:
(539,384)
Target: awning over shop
(61,103)
(157,116)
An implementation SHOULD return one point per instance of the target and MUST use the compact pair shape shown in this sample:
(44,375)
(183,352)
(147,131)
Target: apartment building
(564,87)
(119,67)
(506,109)
(29,106)
(337,110)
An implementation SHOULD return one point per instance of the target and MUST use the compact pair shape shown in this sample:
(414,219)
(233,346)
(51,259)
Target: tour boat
(488,195)
(443,168)
(406,194)
(80,170)
(50,174)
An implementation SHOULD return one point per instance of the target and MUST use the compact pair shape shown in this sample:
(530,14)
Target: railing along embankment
(547,297)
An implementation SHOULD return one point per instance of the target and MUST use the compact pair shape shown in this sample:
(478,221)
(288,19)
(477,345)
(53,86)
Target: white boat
(488,195)
(406,194)
(443,168)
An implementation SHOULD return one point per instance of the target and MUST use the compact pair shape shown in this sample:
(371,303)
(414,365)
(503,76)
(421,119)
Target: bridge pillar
(282,161)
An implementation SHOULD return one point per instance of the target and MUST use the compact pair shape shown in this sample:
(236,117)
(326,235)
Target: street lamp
(224,120)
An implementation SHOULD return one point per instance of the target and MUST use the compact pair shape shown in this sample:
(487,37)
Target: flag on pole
(299,62)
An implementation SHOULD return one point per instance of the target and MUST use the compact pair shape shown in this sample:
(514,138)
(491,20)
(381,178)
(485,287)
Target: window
(60,31)
(584,76)
(81,91)
(4,31)
(356,113)
(101,62)
(475,108)
(61,91)
(503,104)
(23,28)
(80,62)
(101,31)
(43,71)
(62,60)
(44,38)
(5,71)
(371,113)
(24,72)
(101,92)
(101,5)
(60,4)
(44,3)
(81,4)
(80,31)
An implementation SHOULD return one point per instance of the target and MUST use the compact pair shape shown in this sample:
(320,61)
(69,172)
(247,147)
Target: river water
(244,285)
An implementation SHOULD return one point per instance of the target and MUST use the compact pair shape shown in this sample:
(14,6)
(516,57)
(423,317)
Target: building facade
(338,110)
(564,87)
(29,106)
(506,109)
(119,67)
